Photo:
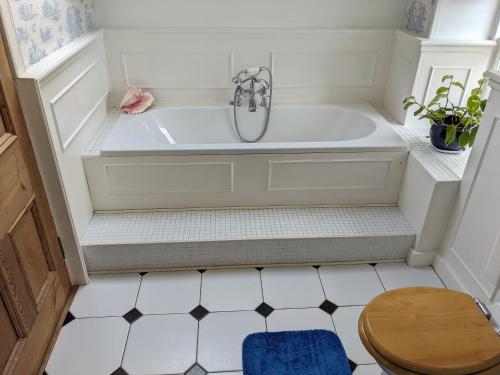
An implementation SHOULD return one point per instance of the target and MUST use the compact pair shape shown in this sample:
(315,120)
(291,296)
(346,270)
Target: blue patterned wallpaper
(43,26)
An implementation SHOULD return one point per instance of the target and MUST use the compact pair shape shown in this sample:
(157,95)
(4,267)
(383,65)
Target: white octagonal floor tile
(350,284)
(161,344)
(231,289)
(106,295)
(292,287)
(89,346)
(369,370)
(346,325)
(221,338)
(299,320)
(169,292)
(400,275)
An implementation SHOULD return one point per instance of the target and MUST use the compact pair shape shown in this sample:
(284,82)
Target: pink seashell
(136,101)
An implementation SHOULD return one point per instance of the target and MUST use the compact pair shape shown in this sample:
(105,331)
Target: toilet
(413,331)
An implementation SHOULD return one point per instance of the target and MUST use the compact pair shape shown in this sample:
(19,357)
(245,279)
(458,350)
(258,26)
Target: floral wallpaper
(419,14)
(43,26)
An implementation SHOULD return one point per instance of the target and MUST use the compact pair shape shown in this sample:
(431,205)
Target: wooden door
(34,283)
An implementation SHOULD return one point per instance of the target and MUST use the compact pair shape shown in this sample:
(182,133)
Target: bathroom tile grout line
(324,293)
(130,325)
(379,278)
(262,294)
(198,329)
(439,277)
(214,312)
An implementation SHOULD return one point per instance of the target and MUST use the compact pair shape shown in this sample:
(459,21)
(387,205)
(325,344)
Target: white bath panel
(202,238)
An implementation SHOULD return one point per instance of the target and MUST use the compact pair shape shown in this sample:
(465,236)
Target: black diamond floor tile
(328,307)
(199,312)
(68,319)
(264,309)
(119,371)
(132,316)
(353,365)
(196,369)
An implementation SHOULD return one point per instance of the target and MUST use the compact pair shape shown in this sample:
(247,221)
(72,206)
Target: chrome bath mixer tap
(254,86)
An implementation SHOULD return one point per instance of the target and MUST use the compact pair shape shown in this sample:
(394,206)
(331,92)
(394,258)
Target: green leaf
(442,90)
(408,105)
(483,104)
(435,100)
(472,136)
(458,84)
(418,111)
(451,132)
(473,103)
(446,77)
(463,140)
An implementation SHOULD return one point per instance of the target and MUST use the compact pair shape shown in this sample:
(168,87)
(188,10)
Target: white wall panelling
(467,60)
(166,178)
(195,65)
(88,86)
(404,66)
(69,92)
(244,180)
(470,253)
(323,174)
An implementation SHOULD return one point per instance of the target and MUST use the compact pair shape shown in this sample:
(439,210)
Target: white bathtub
(191,157)
(210,130)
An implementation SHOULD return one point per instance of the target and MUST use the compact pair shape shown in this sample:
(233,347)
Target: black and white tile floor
(194,322)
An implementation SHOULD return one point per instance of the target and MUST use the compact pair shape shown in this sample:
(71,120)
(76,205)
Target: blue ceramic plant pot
(438,139)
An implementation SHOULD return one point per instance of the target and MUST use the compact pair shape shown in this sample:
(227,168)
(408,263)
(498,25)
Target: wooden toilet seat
(429,331)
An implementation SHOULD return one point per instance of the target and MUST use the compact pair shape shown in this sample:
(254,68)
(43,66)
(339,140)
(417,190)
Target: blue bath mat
(315,352)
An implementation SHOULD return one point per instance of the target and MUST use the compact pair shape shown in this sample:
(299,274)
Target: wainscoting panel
(310,175)
(181,70)
(325,70)
(163,178)
(247,180)
(467,61)
(195,65)
(75,103)
(460,73)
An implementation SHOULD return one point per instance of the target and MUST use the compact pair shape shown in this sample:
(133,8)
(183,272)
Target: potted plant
(453,127)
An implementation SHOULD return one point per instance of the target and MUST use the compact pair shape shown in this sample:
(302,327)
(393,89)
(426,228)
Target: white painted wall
(254,13)
(465,19)
(470,256)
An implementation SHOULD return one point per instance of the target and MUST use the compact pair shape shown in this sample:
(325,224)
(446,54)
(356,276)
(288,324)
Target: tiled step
(222,237)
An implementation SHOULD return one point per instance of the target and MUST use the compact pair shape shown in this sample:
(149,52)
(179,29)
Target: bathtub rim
(383,139)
